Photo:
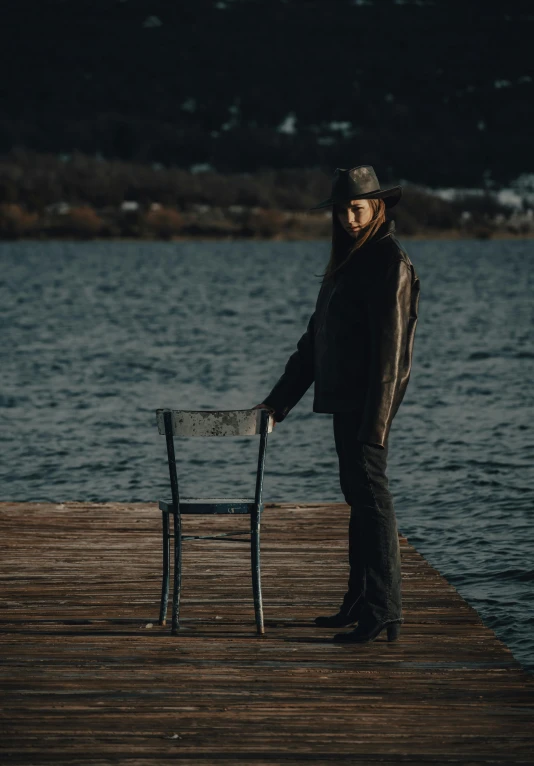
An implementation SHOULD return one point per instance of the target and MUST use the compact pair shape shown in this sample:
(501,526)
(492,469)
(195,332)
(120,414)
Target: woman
(357,350)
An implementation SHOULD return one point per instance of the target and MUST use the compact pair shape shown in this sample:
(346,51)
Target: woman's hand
(265,407)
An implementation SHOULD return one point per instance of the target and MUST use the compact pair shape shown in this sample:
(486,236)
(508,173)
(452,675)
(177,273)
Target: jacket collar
(385,230)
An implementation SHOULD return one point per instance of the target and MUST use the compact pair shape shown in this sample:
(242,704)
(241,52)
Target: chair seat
(222,505)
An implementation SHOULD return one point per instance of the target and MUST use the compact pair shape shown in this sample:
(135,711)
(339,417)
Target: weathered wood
(214,422)
(88,675)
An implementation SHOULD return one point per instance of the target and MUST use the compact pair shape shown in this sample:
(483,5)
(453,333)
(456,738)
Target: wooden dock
(88,675)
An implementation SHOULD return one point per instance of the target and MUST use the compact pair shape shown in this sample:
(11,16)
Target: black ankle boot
(363,634)
(348,614)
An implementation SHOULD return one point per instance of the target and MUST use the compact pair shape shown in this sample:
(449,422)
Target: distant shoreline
(43,197)
(431,236)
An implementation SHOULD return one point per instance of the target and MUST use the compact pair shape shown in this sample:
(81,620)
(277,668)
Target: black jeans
(374,552)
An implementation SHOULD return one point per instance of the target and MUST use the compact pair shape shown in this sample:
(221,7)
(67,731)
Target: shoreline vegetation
(45,196)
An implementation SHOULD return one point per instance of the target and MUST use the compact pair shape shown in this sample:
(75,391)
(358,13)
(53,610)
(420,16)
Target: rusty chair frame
(185,423)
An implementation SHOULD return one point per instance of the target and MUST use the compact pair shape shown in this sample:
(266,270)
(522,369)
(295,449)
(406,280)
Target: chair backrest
(214,422)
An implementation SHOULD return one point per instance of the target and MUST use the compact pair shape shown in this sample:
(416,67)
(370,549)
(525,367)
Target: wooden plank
(88,676)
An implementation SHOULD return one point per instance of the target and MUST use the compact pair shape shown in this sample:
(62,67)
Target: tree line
(47,196)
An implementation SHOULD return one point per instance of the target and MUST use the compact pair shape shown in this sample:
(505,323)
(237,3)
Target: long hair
(343,245)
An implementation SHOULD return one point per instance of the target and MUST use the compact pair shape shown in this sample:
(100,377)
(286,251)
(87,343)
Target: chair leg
(256,572)
(165,577)
(177,582)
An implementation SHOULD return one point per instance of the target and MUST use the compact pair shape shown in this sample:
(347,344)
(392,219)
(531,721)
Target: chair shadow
(132,626)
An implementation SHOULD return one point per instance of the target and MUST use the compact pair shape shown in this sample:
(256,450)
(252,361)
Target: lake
(98,335)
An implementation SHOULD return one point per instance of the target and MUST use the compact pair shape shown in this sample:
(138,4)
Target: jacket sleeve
(297,377)
(388,308)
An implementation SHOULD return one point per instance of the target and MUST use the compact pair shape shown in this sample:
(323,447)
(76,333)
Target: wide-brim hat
(359,183)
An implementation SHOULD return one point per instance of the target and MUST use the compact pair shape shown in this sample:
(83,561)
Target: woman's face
(354,215)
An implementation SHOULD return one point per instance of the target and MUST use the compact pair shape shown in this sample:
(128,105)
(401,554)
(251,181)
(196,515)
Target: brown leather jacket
(358,345)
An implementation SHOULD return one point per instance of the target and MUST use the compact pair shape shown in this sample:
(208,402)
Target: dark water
(96,336)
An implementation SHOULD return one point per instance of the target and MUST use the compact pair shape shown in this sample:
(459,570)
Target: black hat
(359,183)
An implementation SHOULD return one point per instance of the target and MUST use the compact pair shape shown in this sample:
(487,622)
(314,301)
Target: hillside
(415,87)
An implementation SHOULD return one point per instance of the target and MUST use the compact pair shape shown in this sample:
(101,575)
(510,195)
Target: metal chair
(173,423)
